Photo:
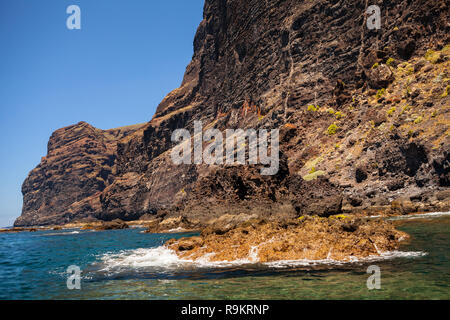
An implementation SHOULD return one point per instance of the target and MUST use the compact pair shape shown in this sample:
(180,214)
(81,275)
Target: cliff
(363,118)
(67,183)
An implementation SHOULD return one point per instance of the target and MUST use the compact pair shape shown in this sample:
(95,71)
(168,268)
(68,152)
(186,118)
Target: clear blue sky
(114,71)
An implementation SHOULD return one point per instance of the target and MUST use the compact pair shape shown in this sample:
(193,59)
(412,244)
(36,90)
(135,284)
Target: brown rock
(313,238)
(186,244)
(404,206)
(443,195)
(257,64)
(112,225)
(380,77)
(326,207)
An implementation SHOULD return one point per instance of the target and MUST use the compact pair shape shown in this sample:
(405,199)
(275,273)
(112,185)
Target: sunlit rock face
(362,116)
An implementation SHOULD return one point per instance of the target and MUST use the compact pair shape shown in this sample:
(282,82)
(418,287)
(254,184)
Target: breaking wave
(163,259)
(61,233)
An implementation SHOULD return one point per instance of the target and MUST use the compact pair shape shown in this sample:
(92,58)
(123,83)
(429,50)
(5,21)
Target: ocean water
(128,264)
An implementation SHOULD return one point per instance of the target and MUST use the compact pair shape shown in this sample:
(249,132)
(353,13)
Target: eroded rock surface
(116,224)
(338,238)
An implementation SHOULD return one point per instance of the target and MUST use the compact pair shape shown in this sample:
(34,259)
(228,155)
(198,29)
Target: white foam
(167,259)
(422,216)
(331,262)
(62,233)
(253,254)
(140,258)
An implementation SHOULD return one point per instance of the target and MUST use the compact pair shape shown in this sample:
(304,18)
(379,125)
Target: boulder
(326,207)
(380,77)
(112,225)
(404,206)
(186,244)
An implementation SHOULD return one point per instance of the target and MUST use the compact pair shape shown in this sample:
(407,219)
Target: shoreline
(174,227)
(143,263)
(338,238)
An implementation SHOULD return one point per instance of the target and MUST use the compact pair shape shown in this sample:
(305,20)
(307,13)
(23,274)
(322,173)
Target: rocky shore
(340,238)
(363,119)
(253,239)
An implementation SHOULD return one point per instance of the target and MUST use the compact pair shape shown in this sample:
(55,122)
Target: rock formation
(338,238)
(363,118)
(68,182)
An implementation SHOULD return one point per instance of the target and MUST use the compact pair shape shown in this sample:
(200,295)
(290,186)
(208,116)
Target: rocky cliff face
(67,183)
(363,119)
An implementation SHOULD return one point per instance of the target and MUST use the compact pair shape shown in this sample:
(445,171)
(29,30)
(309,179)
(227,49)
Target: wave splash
(165,259)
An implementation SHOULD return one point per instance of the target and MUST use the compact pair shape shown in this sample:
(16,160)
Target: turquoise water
(128,264)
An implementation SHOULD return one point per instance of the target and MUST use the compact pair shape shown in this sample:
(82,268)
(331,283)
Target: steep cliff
(67,183)
(363,119)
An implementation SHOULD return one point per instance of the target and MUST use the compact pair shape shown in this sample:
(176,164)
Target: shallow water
(127,264)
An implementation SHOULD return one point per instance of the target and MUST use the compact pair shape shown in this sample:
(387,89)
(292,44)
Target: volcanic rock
(339,238)
(308,68)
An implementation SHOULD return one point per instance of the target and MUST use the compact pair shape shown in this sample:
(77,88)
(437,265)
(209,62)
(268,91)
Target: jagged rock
(339,238)
(173,224)
(187,244)
(113,225)
(380,77)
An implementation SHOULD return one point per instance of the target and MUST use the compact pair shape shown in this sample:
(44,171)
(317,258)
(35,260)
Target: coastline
(181,225)
(340,238)
(129,264)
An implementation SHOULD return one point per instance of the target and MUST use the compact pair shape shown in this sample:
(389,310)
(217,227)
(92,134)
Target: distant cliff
(67,183)
(363,118)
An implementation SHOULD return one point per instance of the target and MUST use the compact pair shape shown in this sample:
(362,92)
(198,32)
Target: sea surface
(128,264)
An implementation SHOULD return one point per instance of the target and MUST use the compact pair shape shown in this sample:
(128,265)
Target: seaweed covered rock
(339,237)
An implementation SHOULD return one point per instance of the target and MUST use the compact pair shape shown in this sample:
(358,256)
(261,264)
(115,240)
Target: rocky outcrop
(338,238)
(18,229)
(171,225)
(116,224)
(363,118)
(79,165)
